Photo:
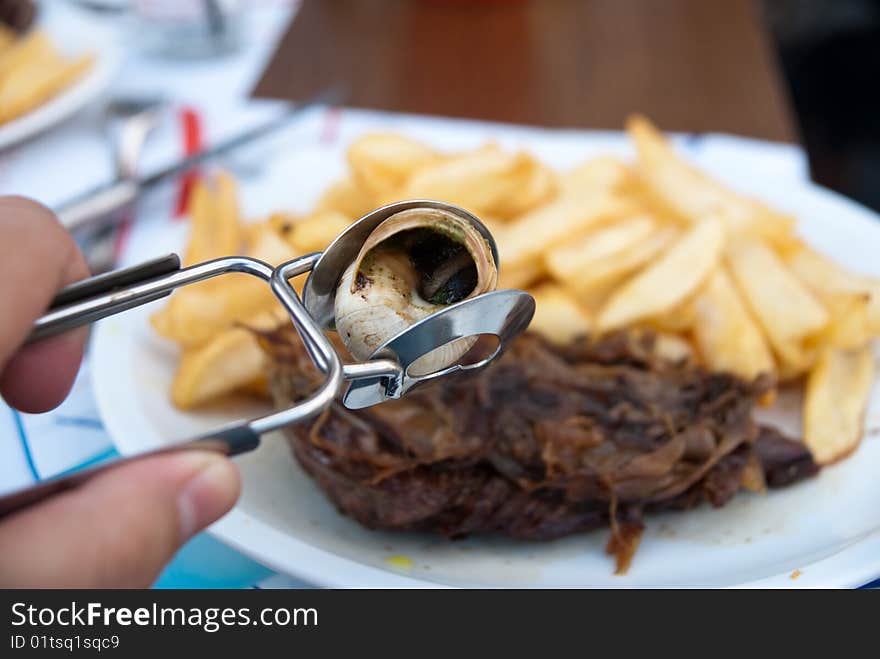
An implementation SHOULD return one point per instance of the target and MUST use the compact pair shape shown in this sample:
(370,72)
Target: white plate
(828,528)
(74,34)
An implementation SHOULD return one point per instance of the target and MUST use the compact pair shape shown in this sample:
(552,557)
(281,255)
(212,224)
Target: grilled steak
(547,442)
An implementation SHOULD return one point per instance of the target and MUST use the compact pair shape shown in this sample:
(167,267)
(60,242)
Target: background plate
(74,34)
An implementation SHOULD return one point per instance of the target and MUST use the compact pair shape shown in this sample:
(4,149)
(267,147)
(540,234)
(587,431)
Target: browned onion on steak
(547,442)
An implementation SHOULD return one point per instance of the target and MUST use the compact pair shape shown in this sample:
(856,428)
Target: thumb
(120,528)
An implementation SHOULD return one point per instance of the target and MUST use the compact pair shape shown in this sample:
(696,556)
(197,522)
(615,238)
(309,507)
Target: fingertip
(39,376)
(121,527)
(208,495)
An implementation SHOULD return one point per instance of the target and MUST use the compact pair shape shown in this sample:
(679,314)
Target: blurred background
(794,71)
(799,71)
(829,51)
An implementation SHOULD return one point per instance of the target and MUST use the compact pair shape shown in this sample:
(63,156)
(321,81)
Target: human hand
(122,526)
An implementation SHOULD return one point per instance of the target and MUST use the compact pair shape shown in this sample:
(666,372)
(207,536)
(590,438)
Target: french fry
(7,39)
(790,315)
(520,276)
(274,247)
(486,181)
(850,326)
(232,360)
(836,397)
(270,246)
(196,314)
(318,230)
(693,195)
(604,174)
(30,86)
(280,222)
(828,280)
(381,163)
(227,220)
(214,220)
(24,51)
(566,261)
(728,338)
(526,239)
(677,320)
(200,246)
(558,316)
(538,187)
(673,347)
(258,387)
(668,281)
(595,281)
(347,198)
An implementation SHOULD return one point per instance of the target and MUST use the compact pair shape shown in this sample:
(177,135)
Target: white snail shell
(413,264)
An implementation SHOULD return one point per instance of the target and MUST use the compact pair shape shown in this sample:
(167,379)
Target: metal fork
(128,124)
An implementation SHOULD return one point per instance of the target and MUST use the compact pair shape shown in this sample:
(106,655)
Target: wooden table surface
(690,65)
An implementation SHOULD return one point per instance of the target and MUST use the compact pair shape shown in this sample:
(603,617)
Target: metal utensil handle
(105,295)
(231,441)
(56,321)
(109,294)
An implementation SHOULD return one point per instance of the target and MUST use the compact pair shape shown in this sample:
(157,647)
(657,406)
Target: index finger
(37,258)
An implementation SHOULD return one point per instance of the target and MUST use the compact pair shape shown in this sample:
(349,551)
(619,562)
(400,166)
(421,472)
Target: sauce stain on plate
(400,562)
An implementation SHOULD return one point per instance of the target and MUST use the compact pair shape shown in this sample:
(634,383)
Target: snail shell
(413,264)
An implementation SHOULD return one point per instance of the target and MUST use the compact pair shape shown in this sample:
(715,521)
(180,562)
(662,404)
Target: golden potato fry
(227,220)
(258,388)
(727,336)
(668,281)
(28,87)
(495,225)
(270,246)
(693,195)
(790,315)
(598,174)
(199,246)
(230,361)
(677,320)
(558,316)
(282,223)
(318,230)
(381,163)
(273,247)
(828,280)
(837,394)
(850,326)
(673,347)
(569,259)
(25,51)
(196,314)
(487,181)
(7,39)
(347,198)
(595,281)
(526,239)
(539,186)
(521,276)
(215,221)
